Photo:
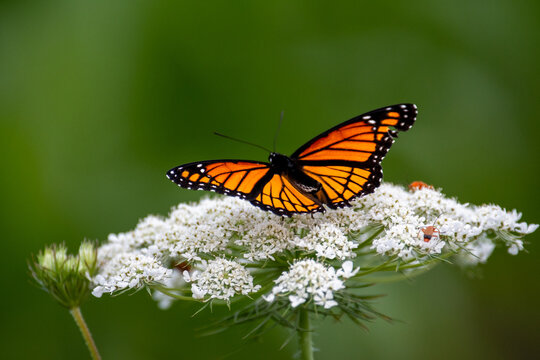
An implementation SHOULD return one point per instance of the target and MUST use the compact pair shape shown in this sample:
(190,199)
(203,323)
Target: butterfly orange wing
(281,197)
(240,178)
(346,159)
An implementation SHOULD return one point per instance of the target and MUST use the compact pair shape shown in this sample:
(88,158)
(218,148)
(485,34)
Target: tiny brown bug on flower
(430,232)
(417,185)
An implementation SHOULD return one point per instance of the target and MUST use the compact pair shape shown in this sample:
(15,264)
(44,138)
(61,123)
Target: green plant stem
(77,316)
(304,334)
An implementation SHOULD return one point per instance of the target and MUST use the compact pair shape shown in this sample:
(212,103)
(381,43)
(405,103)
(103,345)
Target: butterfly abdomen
(284,165)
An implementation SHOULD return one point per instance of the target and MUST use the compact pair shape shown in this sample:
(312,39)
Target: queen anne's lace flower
(221,279)
(308,279)
(327,241)
(219,228)
(265,239)
(129,270)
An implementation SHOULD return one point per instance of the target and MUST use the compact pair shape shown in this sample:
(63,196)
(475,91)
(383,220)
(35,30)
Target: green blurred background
(99,98)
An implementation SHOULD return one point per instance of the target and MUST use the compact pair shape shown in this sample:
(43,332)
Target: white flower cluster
(309,279)
(220,279)
(234,233)
(327,241)
(128,271)
(264,239)
(404,213)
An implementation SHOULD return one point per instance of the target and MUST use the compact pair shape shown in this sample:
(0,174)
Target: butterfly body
(329,170)
(288,168)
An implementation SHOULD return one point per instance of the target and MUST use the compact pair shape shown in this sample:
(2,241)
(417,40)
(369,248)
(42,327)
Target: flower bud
(60,254)
(71,265)
(88,258)
(46,259)
(64,275)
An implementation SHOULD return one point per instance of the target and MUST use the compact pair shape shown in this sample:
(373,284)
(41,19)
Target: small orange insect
(430,232)
(417,185)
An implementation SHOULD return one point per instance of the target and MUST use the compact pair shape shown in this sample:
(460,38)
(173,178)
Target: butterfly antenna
(278,128)
(242,141)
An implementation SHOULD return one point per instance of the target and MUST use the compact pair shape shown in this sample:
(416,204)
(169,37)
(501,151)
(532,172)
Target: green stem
(304,334)
(77,316)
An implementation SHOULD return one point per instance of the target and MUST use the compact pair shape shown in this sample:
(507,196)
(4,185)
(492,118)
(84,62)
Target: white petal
(296,300)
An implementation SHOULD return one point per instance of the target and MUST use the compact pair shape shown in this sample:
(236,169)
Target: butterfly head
(280,161)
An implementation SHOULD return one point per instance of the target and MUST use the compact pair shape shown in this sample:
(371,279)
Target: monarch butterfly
(331,169)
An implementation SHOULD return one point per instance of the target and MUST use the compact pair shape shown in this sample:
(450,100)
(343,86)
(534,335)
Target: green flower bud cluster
(66,277)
